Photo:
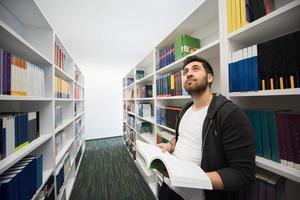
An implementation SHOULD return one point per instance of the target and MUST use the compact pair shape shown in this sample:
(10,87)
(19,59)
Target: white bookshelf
(208,23)
(26,33)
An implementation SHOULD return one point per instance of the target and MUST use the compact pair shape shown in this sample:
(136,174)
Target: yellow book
(233,15)
(238,13)
(229,16)
(243,13)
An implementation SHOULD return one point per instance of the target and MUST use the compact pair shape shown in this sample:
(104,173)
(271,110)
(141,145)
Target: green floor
(107,172)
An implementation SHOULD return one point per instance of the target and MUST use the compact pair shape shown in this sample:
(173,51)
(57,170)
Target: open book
(181,173)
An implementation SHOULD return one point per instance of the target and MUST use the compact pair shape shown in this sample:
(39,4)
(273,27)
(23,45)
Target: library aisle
(116,178)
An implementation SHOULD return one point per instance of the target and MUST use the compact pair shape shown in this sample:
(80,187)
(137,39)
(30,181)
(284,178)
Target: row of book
(144,109)
(131,148)
(47,192)
(182,46)
(59,57)
(170,84)
(242,12)
(277,135)
(167,116)
(77,75)
(23,179)
(19,77)
(274,64)
(78,92)
(243,70)
(129,106)
(58,115)
(144,91)
(60,139)
(129,81)
(268,186)
(131,120)
(143,126)
(64,168)
(62,88)
(17,130)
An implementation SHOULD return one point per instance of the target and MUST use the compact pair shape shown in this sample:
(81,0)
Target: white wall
(103,101)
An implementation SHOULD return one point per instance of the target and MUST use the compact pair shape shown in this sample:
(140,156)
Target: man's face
(195,78)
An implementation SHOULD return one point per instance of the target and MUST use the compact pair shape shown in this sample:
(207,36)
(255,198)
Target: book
(181,173)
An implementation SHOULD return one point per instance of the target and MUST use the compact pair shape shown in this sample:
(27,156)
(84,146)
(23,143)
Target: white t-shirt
(188,146)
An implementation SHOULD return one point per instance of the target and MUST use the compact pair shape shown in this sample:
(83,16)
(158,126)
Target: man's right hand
(165,147)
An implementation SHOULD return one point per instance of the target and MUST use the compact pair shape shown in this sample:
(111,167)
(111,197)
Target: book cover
(181,173)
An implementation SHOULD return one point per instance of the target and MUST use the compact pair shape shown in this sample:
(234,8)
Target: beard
(196,86)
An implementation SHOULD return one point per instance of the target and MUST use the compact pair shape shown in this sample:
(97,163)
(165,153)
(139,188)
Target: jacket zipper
(206,132)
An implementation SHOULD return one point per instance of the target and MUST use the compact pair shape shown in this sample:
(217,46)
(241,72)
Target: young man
(214,133)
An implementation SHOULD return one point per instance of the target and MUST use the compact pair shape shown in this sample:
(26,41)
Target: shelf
(131,127)
(62,152)
(131,113)
(143,99)
(23,98)
(63,99)
(77,116)
(148,78)
(278,168)
(62,74)
(284,92)
(129,99)
(174,97)
(79,84)
(79,99)
(208,51)
(148,137)
(63,125)
(148,119)
(277,23)
(165,127)
(15,44)
(46,175)
(9,161)
(129,86)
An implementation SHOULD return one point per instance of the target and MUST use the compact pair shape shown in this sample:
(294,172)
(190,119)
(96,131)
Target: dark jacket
(228,148)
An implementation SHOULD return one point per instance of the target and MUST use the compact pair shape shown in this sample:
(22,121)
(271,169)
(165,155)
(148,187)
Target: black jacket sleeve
(239,149)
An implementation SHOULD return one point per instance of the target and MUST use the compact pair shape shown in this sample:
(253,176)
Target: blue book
(9,187)
(230,77)
(273,137)
(265,134)
(255,69)
(158,120)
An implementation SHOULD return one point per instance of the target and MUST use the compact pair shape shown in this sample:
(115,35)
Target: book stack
(143,126)
(242,12)
(16,131)
(144,91)
(277,135)
(170,84)
(59,141)
(130,81)
(62,88)
(268,186)
(23,179)
(166,56)
(144,109)
(19,77)
(58,116)
(167,116)
(274,64)
(59,57)
(139,74)
(185,45)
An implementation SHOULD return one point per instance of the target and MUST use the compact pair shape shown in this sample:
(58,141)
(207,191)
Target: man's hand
(165,147)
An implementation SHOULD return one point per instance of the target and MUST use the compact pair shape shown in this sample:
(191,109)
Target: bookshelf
(26,33)
(208,23)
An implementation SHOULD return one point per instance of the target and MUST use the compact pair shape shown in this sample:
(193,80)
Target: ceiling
(114,33)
